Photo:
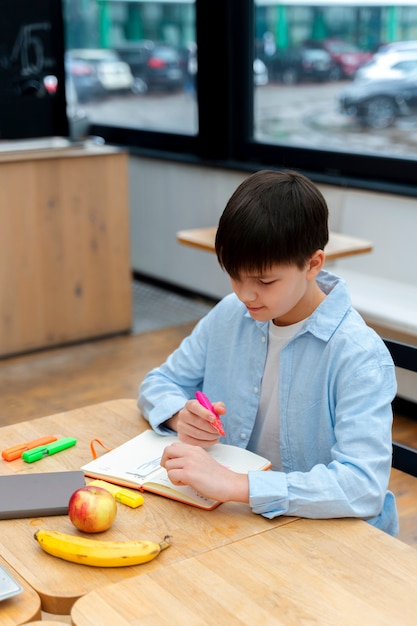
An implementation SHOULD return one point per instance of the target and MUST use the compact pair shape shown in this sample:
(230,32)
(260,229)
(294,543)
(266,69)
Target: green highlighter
(36,454)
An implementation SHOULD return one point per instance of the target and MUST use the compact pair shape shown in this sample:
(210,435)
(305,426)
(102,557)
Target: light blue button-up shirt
(337,382)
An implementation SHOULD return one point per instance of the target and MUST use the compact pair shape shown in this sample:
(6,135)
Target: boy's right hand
(194,424)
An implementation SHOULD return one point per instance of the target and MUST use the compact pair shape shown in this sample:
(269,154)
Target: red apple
(92,509)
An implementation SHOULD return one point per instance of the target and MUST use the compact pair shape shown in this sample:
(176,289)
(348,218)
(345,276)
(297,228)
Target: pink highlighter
(205,402)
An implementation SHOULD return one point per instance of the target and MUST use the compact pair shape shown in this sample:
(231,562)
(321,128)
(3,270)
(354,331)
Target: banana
(99,553)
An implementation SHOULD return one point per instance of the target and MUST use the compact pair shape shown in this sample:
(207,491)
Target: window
(335,83)
(133,63)
(328,89)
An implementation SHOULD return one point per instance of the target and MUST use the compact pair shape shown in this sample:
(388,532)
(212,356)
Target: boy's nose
(246,293)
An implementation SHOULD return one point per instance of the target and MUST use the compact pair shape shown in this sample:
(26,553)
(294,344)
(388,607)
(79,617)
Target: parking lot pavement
(304,115)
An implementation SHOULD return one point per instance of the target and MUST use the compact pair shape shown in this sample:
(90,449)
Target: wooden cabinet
(65,269)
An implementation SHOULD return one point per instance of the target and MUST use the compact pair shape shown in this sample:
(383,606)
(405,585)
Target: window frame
(224,33)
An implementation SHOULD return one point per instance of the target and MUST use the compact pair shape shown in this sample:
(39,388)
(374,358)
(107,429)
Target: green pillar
(104,25)
(134,25)
(392,24)
(319,30)
(281,30)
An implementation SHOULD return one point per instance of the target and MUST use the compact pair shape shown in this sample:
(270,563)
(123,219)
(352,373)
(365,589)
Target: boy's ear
(315,264)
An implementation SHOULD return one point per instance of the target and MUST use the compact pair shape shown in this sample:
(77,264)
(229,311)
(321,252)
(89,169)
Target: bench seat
(383,302)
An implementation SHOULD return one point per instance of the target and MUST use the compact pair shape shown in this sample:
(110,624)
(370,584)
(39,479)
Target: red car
(346,57)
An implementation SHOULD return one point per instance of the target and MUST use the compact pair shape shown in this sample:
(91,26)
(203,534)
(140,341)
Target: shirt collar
(327,317)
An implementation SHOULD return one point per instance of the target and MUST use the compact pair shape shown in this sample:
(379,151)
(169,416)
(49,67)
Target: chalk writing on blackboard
(29,49)
(32,69)
(30,57)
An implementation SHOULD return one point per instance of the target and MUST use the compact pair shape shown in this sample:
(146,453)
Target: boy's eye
(266,282)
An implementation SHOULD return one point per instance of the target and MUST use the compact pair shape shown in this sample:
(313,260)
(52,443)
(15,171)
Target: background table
(309,572)
(339,245)
(193,531)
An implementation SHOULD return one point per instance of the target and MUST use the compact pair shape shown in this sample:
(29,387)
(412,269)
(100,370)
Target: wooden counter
(65,268)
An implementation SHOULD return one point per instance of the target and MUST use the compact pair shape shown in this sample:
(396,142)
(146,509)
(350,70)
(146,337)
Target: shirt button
(255,389)
(243,435)
(263,339)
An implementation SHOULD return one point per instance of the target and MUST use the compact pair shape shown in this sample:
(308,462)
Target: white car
(112,73)
(260,73)
(398,46)
(388,65)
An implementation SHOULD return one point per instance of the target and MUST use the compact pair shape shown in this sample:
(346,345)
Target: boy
(296,374)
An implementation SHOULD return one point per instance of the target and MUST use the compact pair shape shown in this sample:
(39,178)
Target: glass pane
(342,78)
(132,63)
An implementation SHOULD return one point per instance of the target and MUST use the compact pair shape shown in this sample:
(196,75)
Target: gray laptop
(37,495)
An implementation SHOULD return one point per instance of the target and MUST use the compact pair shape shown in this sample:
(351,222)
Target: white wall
(166,198)
(390,222)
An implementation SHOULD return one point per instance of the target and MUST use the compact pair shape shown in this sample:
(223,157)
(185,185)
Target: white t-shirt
(265,435)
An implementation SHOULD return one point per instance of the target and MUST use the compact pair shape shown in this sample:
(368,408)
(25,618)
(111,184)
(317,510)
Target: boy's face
(283,293)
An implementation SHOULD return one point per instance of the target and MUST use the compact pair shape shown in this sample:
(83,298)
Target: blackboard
(32,71)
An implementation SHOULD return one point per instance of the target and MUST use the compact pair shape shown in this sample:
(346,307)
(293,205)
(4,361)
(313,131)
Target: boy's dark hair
(273,218)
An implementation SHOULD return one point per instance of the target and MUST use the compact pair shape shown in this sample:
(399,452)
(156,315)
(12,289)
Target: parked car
(379,103)
(397,46)
(83,78)
(388,65)
(112,73)
(260,73)
(154,65)
(346,57)
(78,120)
(294,65)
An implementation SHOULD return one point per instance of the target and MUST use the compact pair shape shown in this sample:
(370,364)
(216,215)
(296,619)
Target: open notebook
(135,464)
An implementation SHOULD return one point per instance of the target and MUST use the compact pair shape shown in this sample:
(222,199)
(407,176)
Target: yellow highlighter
(129,497)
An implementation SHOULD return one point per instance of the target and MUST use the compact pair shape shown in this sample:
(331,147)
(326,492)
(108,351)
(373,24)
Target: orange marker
(11,454)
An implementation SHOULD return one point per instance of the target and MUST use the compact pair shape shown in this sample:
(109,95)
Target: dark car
(379,103)
(84,79)
(346,57)
(154,65)
(294,65)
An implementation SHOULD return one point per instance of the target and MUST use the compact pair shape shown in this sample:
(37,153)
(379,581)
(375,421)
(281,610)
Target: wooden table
(339,245)
(59,583)
(309,572)
(25,607)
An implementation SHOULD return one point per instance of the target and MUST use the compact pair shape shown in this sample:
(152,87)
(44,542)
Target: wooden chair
(404,356)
